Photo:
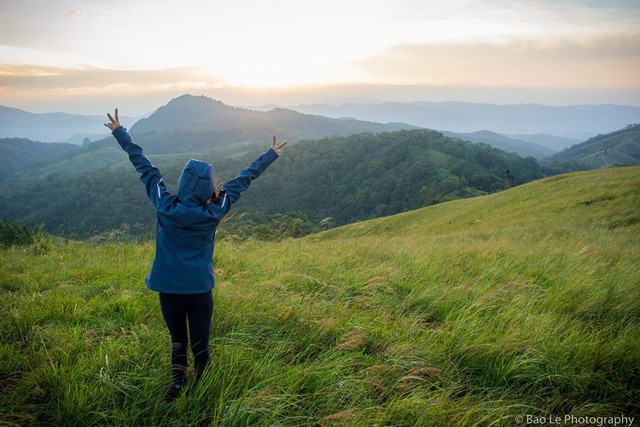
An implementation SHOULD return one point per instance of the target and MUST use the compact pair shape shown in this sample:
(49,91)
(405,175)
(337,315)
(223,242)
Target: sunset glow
(70,50)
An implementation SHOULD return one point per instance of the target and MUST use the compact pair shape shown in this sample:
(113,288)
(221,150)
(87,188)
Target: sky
(86,56)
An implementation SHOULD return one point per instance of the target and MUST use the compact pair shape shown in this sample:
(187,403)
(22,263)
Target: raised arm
(149,174)
(231,191)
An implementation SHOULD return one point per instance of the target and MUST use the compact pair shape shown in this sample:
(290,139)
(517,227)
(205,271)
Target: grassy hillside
(471,312)
(621,147)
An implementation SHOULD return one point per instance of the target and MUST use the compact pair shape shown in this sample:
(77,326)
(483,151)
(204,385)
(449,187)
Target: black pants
(196,310)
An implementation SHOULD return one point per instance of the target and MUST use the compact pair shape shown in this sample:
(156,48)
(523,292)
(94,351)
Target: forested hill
(19,153)
(344,178)
(621,147)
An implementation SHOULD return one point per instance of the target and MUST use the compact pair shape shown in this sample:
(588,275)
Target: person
(182,270)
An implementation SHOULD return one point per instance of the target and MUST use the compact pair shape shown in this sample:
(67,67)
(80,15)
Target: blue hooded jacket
(186,221)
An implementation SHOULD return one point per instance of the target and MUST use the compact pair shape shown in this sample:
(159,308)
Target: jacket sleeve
(230,191)
(149,174)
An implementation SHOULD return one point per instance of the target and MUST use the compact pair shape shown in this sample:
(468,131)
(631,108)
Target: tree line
(315,185)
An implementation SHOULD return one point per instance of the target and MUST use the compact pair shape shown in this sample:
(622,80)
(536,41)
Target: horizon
(326,102)
(86,58)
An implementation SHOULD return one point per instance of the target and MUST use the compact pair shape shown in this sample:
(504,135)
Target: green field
(471,312)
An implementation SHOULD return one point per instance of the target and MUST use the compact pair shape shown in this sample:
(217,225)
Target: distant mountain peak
(188,98)
(186,111)
(196,102)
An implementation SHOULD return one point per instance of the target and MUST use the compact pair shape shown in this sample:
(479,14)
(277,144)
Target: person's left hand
(115,123)
(276,147)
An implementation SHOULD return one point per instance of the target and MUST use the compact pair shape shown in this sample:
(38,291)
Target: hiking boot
(173,393)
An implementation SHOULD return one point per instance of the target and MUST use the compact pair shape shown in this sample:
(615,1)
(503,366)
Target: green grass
(612,157)
(469,312)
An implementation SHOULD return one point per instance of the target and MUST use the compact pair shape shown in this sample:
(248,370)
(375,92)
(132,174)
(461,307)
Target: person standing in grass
(182,271)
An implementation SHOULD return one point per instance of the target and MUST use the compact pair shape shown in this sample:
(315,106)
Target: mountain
(200,113)
(203,125)
(474,312)
(79,138)
(345,179)
(621,147)
(512,145)
(50,127)
(19,154)
(575,121)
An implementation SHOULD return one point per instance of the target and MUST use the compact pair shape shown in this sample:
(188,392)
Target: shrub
(13,233)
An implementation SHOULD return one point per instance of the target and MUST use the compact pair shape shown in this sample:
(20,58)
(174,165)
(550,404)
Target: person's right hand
(115,123)
(276,147)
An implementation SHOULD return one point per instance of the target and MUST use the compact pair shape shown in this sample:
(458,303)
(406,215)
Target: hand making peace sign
(115,123)
(278,147)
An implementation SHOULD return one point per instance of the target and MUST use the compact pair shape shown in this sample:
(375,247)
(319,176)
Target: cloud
(92,90)
(39,88)
(31,78)
(612,61)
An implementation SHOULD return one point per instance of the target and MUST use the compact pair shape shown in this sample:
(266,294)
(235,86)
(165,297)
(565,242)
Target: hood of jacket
(195,185)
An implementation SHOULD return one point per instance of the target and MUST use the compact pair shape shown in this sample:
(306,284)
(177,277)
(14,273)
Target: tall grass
(470,312)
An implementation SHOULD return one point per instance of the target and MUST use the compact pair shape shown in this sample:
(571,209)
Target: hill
(574,121)
(621,147)
(345,179)
(18,153)
(50,127)
(511,145)
(473,312)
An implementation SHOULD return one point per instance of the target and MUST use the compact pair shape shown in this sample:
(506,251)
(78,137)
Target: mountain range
(573,122)
(374,170)
(187,126)
(553,127)
(193,113)
(200,113)
(361,170)
(51,127)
